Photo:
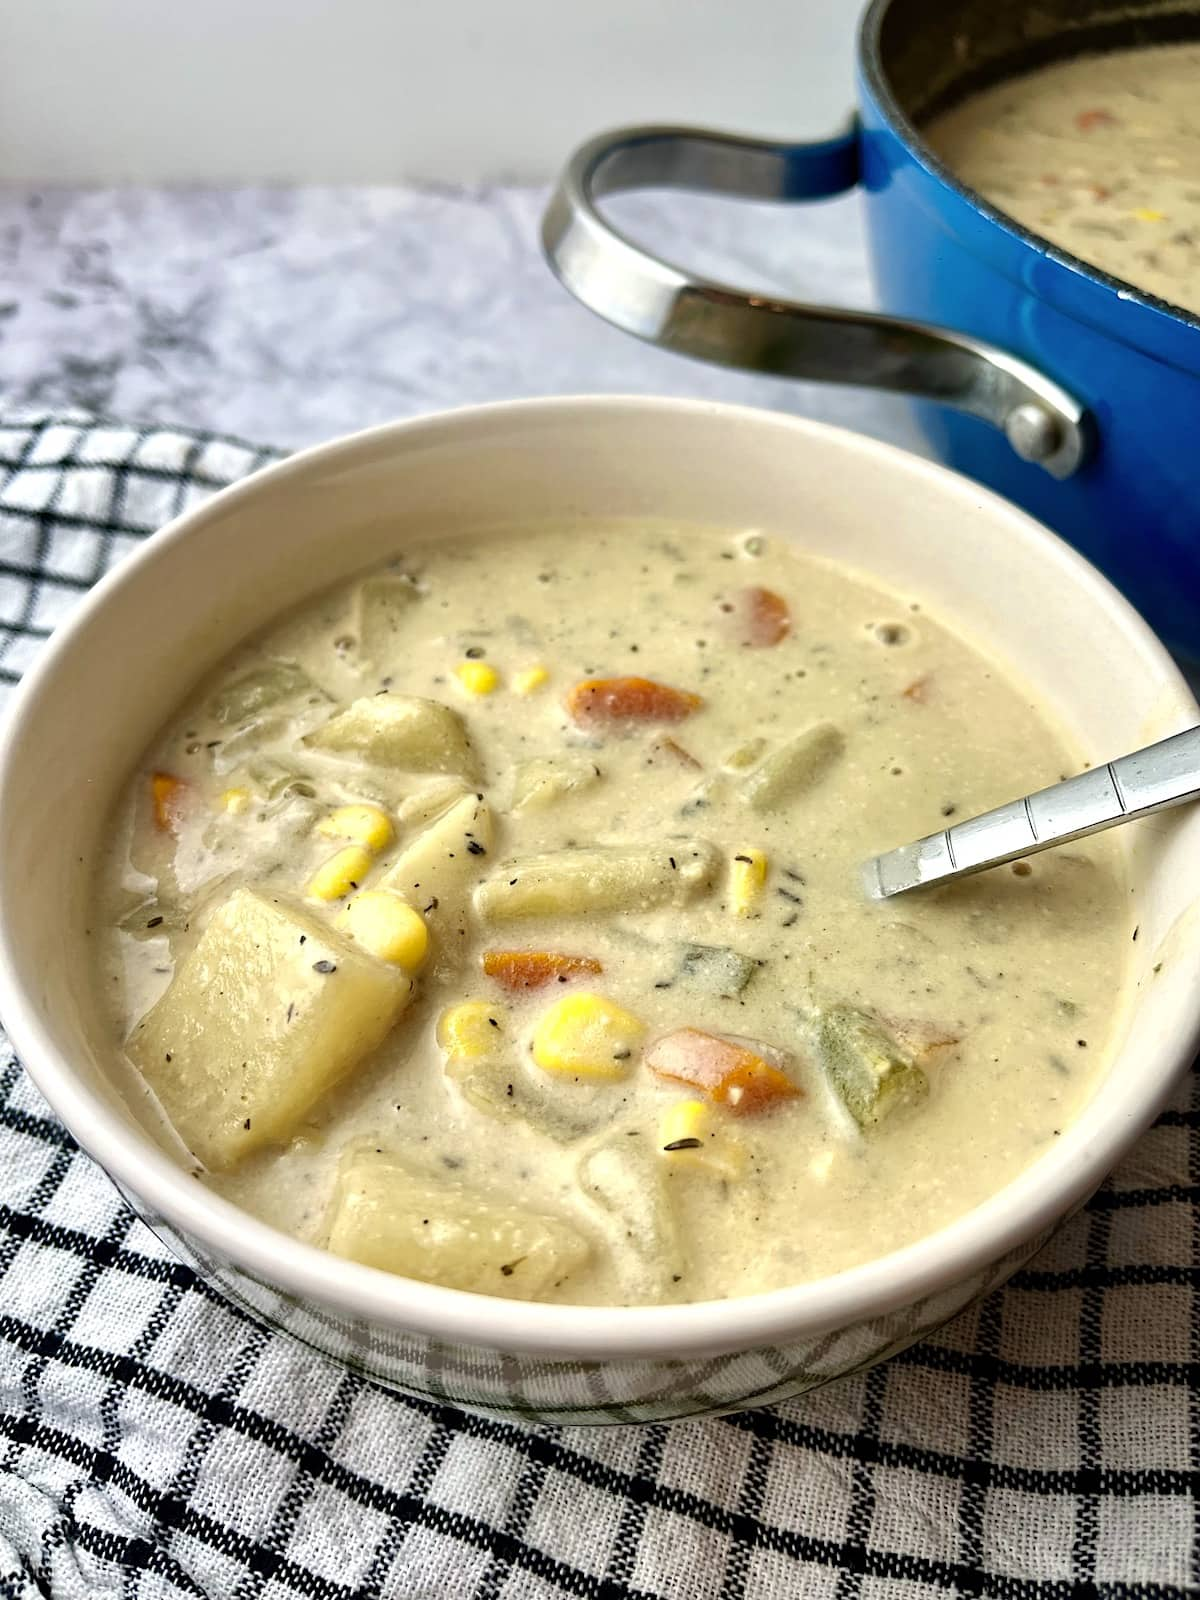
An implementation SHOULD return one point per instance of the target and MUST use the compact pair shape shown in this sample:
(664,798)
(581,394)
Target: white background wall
(185,91)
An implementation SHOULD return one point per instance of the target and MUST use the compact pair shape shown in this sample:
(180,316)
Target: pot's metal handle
(661,302)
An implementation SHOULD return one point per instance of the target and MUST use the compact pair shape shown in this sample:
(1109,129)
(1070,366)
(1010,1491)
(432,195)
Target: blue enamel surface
(941,257)
(1134,508)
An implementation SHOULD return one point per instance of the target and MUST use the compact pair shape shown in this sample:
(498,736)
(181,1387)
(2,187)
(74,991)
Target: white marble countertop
(287,316)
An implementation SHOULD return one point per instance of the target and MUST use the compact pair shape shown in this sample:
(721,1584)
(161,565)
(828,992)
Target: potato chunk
(436,869)
(606,878)
(619,1176)
(399,730)
(268,1012)
(536,785)
(385,1215)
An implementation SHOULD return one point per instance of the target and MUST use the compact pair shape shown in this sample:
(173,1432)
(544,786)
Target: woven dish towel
(157,1444)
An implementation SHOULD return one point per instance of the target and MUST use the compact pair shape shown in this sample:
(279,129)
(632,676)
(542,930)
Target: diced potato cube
(538,784)
(435,871)
(747,878)
(477,677)
(344,872)
(604,878)
(386,926)
(385,1215)
(399,730)
(870,1072)
(794,767)
(369,826)
(692,1138)
(472,1030)
(267,1013)
(586,1036)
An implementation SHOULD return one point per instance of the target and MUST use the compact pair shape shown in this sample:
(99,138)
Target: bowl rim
(1042,1193)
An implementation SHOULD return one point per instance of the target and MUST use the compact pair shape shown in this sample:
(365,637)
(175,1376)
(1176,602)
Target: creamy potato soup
(496,920)
(1101,155)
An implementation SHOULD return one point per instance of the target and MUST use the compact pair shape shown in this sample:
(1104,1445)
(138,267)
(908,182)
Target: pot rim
(1037,1198)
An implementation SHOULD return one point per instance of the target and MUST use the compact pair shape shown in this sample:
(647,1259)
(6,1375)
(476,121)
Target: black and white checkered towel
(156,1442)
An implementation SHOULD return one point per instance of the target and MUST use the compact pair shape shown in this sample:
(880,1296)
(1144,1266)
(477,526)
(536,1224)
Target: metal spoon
(1162,775)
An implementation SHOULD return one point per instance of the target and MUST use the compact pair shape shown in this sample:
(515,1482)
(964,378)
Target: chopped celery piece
(438,1230)
(383,606)
(272,779)
(794,767)
(715,969)
(538,784)
(621,1176)
(249,739)
(253,691)
(870,1072)
(561,1113)
(602,878)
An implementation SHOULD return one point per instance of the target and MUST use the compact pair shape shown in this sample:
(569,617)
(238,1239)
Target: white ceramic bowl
(110,677)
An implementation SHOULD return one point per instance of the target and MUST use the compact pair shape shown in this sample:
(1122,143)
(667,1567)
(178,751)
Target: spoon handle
(1161,775)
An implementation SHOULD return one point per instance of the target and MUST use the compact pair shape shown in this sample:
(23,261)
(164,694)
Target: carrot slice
(725,1071)
(533,969)
(600,702)
(167,794)
(756,617)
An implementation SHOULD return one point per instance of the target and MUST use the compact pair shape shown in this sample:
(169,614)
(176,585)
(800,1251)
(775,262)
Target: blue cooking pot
(1063,388)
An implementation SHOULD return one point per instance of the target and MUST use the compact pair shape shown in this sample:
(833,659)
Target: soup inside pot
(495,919)
(1100,155)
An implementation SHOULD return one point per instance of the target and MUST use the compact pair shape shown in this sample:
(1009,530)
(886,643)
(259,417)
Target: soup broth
(496,919)
(1100,155)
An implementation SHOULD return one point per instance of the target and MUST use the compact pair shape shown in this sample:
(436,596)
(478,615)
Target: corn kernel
(364,825)
(747,875)
(235,801)
(1146,214)
(342,872)
(690,1135)
(586,1036)
(471,1031)
(381,922)
(530,679)
(477,677)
